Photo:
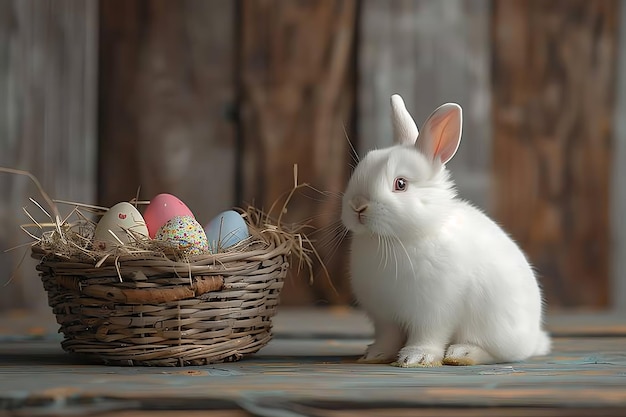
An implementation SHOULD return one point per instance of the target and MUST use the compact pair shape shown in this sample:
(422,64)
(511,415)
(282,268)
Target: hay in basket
(146,303)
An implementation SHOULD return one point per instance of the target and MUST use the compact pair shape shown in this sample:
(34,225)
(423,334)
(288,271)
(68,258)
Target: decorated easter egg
(225,230)
(185,233)
(122,220)
(162,209)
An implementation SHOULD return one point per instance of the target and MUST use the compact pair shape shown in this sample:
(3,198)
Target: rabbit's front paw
(466,354)
(418,356)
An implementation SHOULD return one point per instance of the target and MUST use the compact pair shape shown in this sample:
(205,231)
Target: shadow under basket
(151,309)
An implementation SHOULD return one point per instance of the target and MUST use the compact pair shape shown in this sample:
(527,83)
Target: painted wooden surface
(47,122)
(167,93)
(310,369)
(296,107)
(553,92)
(430,52)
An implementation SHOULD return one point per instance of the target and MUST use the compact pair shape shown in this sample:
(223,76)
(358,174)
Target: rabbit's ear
(441,133)
(404,127)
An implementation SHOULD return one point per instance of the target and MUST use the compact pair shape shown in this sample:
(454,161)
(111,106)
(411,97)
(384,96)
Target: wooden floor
(309,369)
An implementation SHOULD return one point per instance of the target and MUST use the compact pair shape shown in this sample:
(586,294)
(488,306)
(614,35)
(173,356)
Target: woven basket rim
(271,246)
(266,241)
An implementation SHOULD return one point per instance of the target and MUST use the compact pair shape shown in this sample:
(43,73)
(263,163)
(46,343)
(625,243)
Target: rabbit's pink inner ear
(441,134)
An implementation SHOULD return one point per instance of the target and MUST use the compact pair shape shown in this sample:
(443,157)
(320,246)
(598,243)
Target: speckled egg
(185,233)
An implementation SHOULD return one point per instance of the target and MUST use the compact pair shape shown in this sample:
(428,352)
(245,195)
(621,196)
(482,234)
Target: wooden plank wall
(215,102)
(167,93)
(553,101)
(618,187)
(297,99)
(430,52)
(47,121)
(177,115)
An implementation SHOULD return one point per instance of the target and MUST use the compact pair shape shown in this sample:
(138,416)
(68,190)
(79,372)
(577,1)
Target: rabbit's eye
(400,184)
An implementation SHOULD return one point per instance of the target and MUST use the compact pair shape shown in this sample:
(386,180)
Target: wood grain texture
(618,186)
(48,67)
(429,52)
(323,411)
(553,92)
(166,89)
(312,373)
(296,98)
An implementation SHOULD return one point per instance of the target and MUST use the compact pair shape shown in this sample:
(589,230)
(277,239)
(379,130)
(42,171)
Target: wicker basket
(159,310)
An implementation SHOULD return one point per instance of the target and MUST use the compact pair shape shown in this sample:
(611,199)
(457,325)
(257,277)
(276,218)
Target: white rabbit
(441,282)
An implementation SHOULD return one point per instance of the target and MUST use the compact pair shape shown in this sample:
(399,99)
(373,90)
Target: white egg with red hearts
(120,225)
(225,230)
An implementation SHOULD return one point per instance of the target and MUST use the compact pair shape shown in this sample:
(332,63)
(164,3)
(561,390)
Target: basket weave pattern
(157,311)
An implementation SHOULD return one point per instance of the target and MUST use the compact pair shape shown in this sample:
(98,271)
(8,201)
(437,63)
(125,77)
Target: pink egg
(162,209)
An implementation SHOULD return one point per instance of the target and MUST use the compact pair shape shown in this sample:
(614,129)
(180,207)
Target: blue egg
(225,230)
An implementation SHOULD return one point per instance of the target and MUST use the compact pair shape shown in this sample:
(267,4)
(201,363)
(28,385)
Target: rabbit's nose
(359,205)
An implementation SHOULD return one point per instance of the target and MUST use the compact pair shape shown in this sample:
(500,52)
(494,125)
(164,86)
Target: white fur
(404,128)
(439,279)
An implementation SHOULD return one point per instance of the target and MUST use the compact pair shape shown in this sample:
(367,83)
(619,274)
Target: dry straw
(145,303)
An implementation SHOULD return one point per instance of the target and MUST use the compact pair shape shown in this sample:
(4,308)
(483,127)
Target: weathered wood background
(431,52)
(166,88)
(553,100)
(296,74)
(48,67)
(618,186)
(216,101)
